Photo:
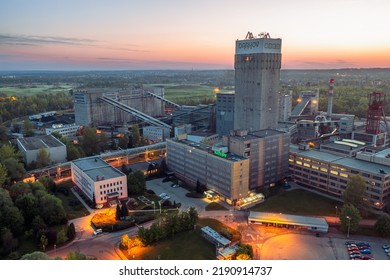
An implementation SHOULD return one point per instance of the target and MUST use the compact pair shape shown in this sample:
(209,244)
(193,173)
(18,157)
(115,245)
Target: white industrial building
(30,146)
(98,180)
(68,130)
(155,133)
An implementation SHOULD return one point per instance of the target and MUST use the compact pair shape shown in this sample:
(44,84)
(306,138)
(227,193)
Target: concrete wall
(257,79)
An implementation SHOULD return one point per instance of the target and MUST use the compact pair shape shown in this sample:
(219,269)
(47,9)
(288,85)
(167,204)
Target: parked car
(367,258)
(350,242)
(174,185)
(98,231)
(363,244)
(387,250)
(365,251)
(386,246)
(355,256)
(162,195)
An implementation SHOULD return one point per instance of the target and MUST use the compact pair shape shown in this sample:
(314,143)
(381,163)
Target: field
(27,90)
(189,94)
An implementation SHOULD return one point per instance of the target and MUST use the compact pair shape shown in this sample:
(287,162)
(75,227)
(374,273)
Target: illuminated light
(314,101)
(311,144)
(216,90)
(299,100)
(221,154)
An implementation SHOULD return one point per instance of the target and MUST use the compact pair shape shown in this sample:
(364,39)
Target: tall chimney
(330,98)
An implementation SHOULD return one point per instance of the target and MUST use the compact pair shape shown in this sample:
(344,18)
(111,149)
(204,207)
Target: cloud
(29,40)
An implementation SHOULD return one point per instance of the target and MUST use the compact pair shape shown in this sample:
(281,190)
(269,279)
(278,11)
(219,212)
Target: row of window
(111,184)
(110,191)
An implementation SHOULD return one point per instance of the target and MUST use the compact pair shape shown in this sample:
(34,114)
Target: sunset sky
(183,34)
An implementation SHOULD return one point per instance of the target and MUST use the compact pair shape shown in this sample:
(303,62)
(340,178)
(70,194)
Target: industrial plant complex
(253,137)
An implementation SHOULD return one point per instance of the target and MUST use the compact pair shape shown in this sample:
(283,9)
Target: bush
(150,192)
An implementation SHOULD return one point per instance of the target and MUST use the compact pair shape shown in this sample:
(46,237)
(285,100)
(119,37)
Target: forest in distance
(24,93)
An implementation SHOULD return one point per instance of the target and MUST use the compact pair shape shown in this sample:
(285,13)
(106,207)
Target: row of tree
(356,206)
(21,106)
(168,226)
(28,210)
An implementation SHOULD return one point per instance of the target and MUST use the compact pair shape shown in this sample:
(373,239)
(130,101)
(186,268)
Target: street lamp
(154,208)
(349,224)
(336,210)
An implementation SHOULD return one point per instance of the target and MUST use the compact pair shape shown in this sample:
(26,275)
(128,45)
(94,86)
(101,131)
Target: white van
(98,231)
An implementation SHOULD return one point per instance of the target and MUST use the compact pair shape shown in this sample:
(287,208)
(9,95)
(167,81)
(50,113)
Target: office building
(267,151)
(330,173)
(257,66)
(225,173)
(98,180)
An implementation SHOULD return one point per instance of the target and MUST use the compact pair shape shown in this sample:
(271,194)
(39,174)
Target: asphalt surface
(269,243)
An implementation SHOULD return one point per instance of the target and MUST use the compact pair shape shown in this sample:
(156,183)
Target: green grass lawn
(27,90)
(73,207)
(188,245)
(182,93)
(299,202)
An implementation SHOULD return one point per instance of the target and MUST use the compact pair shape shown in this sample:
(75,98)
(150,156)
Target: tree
(48,183)
(73,152)
(43,158)
(8,242)
(7,151)
(349,218)
(73,255)
(135,135)
(28,205)
(71,232)
(36,256)
(382,225)
(243,251)
(28,128)
(51,210)
(124,242)
(15,168)
(123,142)
(90,141)
(355,192)
(118,213)
(61,237)
(43,242)
(3,175)
(3,133)
(136,183)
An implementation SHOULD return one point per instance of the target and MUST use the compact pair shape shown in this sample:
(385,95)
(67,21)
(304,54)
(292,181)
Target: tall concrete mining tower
(257,66)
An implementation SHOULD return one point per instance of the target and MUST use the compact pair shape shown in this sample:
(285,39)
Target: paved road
(268,242)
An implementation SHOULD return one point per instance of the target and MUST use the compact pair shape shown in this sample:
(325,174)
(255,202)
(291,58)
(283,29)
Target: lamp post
(154,208)
(336,210)
(349,224)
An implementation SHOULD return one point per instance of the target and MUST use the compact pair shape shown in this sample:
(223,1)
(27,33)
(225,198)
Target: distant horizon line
(192,70)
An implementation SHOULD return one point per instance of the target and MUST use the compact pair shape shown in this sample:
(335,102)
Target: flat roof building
(330,173)
(219,170)
(98,180)
(311,223)
(30,146)
(267,151)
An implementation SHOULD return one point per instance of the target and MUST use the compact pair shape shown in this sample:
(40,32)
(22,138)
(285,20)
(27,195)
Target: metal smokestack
(330,98)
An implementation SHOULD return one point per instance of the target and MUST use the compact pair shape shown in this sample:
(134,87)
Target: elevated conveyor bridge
(137,114)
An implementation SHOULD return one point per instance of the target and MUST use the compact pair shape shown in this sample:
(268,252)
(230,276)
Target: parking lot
(309,247)
(176,194)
